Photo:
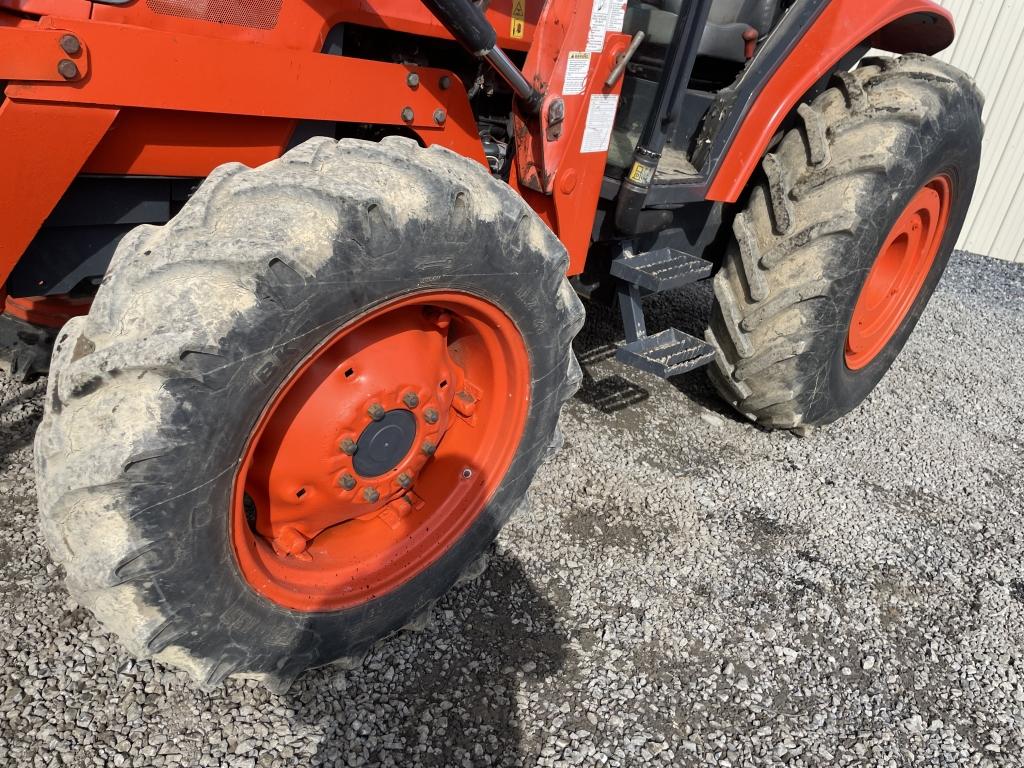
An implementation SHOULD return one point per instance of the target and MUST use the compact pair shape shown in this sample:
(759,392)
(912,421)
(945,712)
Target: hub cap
(379,451)
(384,443)
(899,272)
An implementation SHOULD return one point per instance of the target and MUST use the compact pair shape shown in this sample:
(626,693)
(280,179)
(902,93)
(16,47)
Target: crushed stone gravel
(684,589)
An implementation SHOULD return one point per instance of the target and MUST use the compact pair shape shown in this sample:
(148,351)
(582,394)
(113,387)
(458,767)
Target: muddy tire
(153,396)
(818,217)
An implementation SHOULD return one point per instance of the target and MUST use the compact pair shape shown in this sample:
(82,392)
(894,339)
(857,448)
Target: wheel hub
(383,444)
(380,449)
(899,272)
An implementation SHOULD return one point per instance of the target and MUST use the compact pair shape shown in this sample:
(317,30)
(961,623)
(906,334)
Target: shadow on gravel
(596,344)
(608,394)
(698,387)
(19,417)
(452,688)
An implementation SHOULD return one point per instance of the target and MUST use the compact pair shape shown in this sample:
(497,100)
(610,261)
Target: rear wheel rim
(380,451)
(899,272)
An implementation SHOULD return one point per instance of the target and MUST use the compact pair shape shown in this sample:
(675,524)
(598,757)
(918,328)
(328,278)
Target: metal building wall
(990,47)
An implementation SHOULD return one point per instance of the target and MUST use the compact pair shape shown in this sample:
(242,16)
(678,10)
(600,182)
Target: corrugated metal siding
(990,47)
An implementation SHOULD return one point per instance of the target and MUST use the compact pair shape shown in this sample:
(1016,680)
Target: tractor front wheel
(301,410)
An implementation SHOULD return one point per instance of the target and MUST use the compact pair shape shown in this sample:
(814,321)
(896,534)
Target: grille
(261,14)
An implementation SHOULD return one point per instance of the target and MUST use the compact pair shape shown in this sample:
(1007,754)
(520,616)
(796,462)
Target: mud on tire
(815,221)
(152,396)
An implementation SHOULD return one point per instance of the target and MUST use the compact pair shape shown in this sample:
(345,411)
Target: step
(666,354)
(661,270)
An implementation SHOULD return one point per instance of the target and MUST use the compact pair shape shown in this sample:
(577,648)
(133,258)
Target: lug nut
(70,45)
(376,411)
(446,83)
(371,495)
(347,482)
(405,481)
(428,448)
(408,115)
(67,69)
(348,445)
(413,80)
(440,116)
(430,416)
(411,399)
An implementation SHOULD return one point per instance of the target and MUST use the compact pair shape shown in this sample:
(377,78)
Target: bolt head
(376,411)
(348,445)
(347,482)
(446,83)
(411,399)
(428,448)
(371,495)
(430,416)
(67,69)
(70,45)
(408,115)
(405,481)
(413,80)
(440,116)
(464,403)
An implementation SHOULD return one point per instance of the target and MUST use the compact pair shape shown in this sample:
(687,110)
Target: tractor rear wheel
(844,239)
(301,410)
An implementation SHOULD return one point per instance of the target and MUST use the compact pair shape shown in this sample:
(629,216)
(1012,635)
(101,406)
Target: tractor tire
(892,146)
(204,328)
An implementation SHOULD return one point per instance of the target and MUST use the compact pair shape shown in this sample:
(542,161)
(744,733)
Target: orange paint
(328,536)
(899,272)
(48,311)
(841,27)
(45,147)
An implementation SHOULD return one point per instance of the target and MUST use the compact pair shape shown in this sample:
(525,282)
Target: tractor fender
(899,26)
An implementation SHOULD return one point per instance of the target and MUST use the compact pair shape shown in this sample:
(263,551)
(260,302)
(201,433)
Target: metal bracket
(42,55)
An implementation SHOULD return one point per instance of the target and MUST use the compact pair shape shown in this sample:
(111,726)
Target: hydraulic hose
(468,24)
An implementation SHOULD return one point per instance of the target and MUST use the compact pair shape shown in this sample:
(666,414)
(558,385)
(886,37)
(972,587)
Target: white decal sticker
(616,15)
(600,119)
(598,25)
(576,71)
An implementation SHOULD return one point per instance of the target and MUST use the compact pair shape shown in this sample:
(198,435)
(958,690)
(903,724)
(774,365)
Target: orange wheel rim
(899,272)
(380,451)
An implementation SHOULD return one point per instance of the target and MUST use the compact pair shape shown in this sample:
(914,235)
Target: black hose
(466,23)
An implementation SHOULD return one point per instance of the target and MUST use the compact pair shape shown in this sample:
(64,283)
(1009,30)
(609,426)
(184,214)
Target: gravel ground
(685,590)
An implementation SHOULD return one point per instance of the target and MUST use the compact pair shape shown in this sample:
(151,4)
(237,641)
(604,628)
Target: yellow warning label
(641,174)
(518,18)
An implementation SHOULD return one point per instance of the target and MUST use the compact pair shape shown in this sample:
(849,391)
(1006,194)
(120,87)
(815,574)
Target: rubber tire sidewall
(222,597)
(178,492)
(950,149)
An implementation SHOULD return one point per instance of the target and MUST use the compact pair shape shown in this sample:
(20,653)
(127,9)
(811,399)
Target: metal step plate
(666,354)
(661,270)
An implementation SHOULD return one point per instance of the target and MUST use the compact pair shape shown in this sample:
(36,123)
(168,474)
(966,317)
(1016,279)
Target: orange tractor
(315,266)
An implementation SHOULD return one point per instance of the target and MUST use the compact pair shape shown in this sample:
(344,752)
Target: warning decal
(616,15)
(600,118)
(576,71)
(641,175)
(598,25)
(518,18)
